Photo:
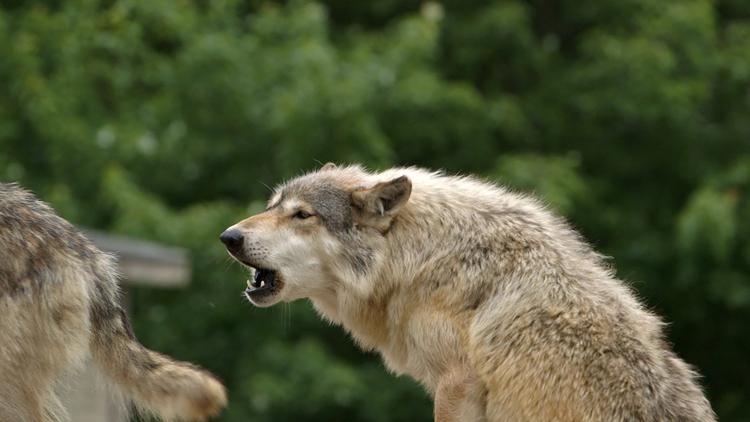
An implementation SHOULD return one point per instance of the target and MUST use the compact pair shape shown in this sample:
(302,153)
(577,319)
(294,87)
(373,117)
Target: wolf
(497,306)
(58,304)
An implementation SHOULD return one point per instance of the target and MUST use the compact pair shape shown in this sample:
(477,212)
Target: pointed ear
(385,198)
(328,166)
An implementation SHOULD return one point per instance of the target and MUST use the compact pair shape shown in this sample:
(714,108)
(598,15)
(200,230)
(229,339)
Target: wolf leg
(20,404)
(459,396)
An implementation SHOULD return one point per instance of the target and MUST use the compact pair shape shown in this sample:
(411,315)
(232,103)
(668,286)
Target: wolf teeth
(252,285)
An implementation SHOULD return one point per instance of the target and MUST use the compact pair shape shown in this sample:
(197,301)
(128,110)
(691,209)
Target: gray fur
(59,302)
(499,308)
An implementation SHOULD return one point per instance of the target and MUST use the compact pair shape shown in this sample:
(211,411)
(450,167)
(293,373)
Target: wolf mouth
(265,283)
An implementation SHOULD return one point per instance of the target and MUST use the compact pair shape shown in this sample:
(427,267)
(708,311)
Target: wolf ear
(328,166)
(383,199)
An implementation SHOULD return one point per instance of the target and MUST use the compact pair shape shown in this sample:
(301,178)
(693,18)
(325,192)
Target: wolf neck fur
(376,318)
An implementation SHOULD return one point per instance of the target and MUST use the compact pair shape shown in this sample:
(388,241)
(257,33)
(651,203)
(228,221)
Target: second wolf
(58,303)
(494,304)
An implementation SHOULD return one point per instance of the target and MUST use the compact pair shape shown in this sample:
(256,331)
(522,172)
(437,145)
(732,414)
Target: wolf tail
(157,384)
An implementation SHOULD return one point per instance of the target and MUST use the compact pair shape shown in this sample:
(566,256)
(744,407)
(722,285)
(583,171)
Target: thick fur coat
(489,300)
(58,304)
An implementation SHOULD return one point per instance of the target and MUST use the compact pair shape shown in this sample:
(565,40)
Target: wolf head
(319,230)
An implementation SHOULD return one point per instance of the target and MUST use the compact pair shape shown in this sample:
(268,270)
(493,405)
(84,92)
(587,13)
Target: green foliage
(556,178)
(163,120)
(708,225)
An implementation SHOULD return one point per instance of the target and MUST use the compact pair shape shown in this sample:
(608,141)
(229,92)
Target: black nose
(233,239)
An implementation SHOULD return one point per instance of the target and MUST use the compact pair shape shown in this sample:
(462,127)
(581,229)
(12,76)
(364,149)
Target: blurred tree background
(166,119)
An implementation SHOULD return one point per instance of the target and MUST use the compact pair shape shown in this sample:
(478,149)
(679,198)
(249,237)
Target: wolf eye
(302,215)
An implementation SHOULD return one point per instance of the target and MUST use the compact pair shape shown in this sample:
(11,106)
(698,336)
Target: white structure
(140,264)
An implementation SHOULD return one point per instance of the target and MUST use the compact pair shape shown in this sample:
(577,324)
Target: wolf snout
(232,239)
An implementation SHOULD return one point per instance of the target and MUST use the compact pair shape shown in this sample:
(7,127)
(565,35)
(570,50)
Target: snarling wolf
(59,303)
(490,301)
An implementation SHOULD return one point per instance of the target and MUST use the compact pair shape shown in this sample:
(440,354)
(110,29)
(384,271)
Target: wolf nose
(233,239)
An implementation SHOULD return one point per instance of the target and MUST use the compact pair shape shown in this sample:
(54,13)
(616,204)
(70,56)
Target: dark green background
(165,119)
